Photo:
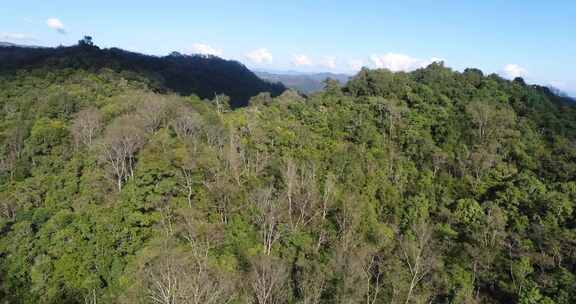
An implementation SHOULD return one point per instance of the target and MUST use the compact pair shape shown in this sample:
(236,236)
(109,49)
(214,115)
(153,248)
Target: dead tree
(187,279)
(268,280)
(187,123)
(86,126)
(121,142)
(268,217)
(418,254)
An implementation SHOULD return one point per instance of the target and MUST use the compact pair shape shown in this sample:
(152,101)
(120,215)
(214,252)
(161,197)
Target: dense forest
(202,75)
(434,186)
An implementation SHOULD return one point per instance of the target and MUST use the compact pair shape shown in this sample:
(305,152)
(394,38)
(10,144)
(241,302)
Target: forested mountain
(6,44)
(303,82)
(204,76)
(433,186)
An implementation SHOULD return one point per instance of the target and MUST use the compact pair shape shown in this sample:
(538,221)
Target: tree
(187,124)
(328,193)
(267,216)
(222,103)
(86,41)
(235,157)
(301,194)
(312,282)
(86,126)
(12,149)
(418,254)
(174,279)
(490,121)
(268,280)
(122,139)
(153,111)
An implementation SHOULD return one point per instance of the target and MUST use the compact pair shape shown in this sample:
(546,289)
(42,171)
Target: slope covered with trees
(427,187)
(202,75)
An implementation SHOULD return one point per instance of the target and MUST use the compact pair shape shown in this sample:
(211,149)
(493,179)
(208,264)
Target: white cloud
(400,62)
(301,60)
(204,49)
(259,56)
(56,24)
(328,62)
(513,71)
(19,37)
(355,64)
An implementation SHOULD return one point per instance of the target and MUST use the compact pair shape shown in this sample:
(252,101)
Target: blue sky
(533,39)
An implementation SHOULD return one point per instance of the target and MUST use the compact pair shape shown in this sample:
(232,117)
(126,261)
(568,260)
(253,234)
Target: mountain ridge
(302,81)
(201,75)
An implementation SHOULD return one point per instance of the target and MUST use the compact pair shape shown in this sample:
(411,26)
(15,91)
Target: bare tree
(307,205)
(222,103)
(439,159)
(187,279)
(301,193)
(187,174)
(490,120)
(418,254)
(215,137)
(482,160)
(218,184)
(373,275)
(311,285)
(86,126)
(153,111)
(165,282)
(187,123)
(8,207)
(346,220)
(268,217)
(349,264)
(122,139)
(90,298)
(289,175)
(268,280)
(327,197)
(390,114)
(235,156)
(188,168)
(11,150)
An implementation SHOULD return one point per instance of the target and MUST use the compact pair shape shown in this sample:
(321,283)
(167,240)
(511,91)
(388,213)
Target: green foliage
(427,187)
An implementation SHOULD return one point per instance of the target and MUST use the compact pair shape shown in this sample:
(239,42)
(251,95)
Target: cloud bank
(399,62)
(513,70)
(301,60)
(328,62)
(259,56)
(204,49)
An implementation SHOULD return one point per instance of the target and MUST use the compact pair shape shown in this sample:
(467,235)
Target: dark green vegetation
(425,187)
(201,75)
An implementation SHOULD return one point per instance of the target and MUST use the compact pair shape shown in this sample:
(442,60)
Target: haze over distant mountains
(304,82)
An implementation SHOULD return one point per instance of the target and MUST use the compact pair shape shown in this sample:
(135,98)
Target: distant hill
(303,82)
(204,76)
(6,44)
(10,44)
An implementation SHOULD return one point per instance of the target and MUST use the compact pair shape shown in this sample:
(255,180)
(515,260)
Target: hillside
(433,186)
(204,76)
(303,82)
